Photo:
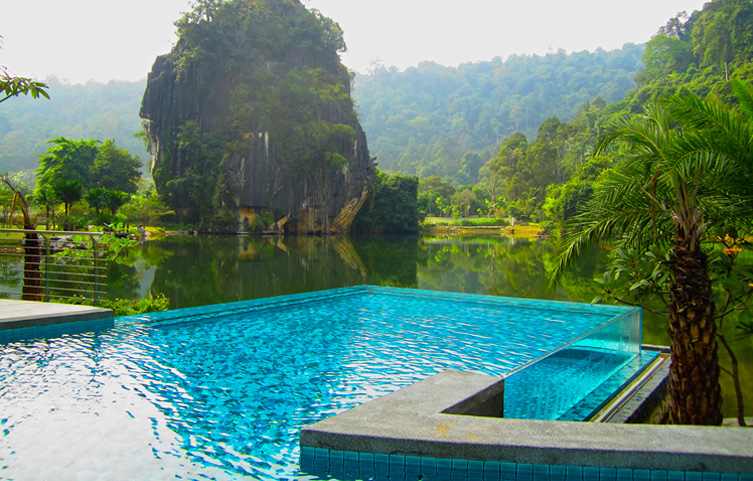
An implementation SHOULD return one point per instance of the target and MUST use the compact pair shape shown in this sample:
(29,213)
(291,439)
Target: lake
(201,270)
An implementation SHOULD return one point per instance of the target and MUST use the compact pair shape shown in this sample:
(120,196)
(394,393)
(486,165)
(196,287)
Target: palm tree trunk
(695,394)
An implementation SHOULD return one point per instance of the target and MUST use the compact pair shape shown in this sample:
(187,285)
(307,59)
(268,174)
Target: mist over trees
(91,111)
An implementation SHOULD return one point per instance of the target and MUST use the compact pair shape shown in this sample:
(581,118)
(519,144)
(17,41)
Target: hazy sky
(81,40)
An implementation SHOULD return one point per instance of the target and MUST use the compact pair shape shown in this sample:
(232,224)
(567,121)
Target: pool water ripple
(226,397)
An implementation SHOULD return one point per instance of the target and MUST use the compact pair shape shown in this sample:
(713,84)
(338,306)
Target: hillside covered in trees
(91,111)
(425,119)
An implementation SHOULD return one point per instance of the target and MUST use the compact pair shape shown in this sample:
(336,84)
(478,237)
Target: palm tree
(97,199)
(671,188)
(68,192)
(114,199)
(46,197)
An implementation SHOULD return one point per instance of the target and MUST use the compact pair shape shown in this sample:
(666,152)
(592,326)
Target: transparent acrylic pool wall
(549,387)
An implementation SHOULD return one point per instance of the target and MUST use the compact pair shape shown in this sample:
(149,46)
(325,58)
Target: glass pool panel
(550,387)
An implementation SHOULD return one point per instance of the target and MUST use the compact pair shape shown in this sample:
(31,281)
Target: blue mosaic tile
(711,477)
(366,472)
(607,474)
(366,459)
(557,472)
(524,472)
(675,476)
(508,471)
(624,474)
(641,475)
(382,476)
(381,460)
(492,471)
(307,464)
(574,473)
(731,477)
(540,472)
(397,463)
(444,465)
(590,473)
(693,476)
(743,477)
(460,476)
(336,458)
(459,465)
(428,465)
(321,454)
(658,475)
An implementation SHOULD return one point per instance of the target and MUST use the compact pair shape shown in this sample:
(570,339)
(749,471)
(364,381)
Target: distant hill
(425,119)
(91,111)
(422,120)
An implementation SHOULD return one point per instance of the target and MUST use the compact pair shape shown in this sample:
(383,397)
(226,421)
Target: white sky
(81,40)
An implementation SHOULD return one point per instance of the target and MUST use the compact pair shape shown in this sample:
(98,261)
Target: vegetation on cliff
(244,75)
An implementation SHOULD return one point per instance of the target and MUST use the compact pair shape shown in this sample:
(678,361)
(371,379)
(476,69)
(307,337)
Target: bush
(130,307)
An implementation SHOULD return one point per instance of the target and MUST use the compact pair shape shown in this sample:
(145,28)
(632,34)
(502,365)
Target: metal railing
(47,265)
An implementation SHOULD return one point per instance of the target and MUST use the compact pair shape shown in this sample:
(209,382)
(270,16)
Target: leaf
(639,284)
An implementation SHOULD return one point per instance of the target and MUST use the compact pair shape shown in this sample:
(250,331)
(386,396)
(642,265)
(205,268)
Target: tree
(32,289)
(115,168)
(46,197)
(68,192)
(673,187)
(67,159)
(97,199)
(392,207)
(115,199)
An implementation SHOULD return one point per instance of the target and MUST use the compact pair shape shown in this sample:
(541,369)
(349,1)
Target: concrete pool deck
(446,416)
(20,314)
(21,320)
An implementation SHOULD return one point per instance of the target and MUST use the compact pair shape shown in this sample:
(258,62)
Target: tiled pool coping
(413,422)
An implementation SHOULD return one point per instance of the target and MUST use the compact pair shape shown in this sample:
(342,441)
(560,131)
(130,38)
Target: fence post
(95,253)
(46,269)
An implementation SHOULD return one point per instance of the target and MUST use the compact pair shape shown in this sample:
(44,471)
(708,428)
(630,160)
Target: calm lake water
(201,270)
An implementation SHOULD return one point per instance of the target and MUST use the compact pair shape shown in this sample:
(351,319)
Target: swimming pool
(221,392)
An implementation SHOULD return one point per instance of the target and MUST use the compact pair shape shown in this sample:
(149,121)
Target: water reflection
(203,270)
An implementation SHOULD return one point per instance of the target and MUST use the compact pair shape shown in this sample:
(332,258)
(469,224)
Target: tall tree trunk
(32,288)
(695,394)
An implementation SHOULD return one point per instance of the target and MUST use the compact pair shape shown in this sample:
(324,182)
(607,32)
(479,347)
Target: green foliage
(131,307)
(68,192)
(15,86)
(12,86)
(67,159)
(391,208)
(97,199)
(115,168)
(425,119)
(278,65)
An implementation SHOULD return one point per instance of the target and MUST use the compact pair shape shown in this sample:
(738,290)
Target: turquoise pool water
(221,392)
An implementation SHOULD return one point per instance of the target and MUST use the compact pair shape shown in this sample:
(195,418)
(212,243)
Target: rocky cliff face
(251,125)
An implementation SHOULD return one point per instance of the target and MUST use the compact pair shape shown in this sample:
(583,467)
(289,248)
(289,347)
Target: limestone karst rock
(250,121)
